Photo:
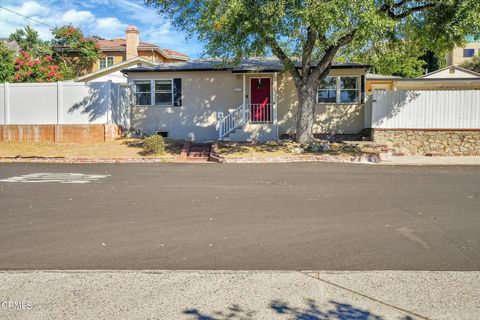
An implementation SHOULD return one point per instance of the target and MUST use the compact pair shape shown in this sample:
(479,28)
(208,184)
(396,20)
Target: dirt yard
(285,148)
(122,148)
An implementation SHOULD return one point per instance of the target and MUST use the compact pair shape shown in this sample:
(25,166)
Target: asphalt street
(248,217)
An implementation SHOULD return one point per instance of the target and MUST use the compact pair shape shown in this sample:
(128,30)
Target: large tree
(29,40)
(314,32)
(7,64)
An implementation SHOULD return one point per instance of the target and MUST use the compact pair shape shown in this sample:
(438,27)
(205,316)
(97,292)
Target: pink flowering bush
(28,69)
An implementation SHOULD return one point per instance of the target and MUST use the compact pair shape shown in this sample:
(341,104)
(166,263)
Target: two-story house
(459,55)
(118,54)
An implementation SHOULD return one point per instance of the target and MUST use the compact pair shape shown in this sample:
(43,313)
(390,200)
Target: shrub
(154,145)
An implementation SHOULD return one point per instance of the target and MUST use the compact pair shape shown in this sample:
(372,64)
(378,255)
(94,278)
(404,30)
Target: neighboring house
(254,100)
(117,54)
(113,73)
(115,51)
(450,73)
(460,55)
(450,78)
(12,45)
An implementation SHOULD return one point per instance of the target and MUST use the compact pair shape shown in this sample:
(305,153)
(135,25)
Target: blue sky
(105,18)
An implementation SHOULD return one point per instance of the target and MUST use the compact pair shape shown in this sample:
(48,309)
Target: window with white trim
(143,92)
(106,62)
(339,90)
(154,92)
(163,93)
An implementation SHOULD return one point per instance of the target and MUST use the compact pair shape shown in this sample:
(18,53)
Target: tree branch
(325,63)
(278,51)
(390,9)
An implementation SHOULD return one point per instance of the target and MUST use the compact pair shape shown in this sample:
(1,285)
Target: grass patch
(121,148)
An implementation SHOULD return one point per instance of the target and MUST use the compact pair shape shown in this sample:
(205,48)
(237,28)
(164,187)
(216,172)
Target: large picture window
(339,90)
(143,92)
(163,93)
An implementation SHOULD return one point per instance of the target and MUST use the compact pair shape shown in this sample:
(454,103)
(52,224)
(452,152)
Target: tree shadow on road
(312,311)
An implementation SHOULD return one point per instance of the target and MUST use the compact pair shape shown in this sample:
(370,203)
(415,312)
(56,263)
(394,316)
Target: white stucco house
(254,100)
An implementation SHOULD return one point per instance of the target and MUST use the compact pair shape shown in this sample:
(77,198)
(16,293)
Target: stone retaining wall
(59,133)
(448,142)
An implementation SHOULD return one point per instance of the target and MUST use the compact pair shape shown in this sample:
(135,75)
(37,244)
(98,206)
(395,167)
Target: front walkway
(210,295)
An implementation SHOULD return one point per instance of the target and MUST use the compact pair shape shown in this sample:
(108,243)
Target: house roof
(433,80)
(120,45)
(246,65)
(115,67)
(376,76)
(462,70)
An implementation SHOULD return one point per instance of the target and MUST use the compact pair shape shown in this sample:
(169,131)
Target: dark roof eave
(233,70)
(173,70)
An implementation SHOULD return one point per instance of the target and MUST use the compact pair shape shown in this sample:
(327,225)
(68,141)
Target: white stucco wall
(115,77)
(203,95)
(329,118)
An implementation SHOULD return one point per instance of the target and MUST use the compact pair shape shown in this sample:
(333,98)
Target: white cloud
(110,23)
(31,8)
(10,21)
(77,18)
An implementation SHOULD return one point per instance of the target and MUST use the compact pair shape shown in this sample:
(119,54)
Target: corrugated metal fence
(64,103)
(426,109)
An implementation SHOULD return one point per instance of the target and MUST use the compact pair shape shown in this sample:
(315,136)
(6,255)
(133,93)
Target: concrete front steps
(198,152)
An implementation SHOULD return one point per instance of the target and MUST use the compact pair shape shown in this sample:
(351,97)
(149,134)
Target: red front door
(260,100)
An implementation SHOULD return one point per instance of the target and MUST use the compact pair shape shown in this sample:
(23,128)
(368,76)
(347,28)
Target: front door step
(199,152)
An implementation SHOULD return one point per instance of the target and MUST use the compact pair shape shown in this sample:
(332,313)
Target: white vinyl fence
(64,103)
(426,109)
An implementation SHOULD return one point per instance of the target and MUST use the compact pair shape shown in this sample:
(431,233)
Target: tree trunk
(306,111)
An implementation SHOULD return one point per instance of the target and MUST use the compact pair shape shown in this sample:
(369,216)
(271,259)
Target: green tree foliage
(73,51)
(29,40)
(7,64)
(68,55)
(473,64)
(315,32)
(31,69)
(393,58)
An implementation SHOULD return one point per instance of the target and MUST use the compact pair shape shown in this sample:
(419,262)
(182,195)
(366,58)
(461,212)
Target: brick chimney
(132,41)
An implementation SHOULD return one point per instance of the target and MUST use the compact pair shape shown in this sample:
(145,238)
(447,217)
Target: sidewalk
(432,161)
(208,295)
